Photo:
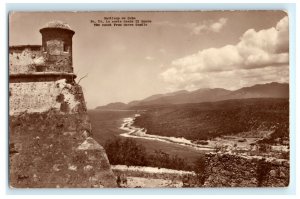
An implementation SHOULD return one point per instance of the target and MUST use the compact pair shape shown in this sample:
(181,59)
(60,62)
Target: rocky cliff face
(50,139)
(227,170)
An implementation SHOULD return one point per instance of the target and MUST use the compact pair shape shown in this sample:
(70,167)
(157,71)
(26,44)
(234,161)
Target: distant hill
(201,95)
(113,106)
(268,90)
(158,96)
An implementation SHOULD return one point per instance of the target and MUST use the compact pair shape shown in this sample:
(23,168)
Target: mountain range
(268,90)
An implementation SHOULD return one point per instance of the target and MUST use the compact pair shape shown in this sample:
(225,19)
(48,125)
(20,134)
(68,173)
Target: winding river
(134,132)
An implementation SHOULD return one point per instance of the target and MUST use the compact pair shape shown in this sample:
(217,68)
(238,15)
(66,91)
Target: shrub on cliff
(199,169)
(129,152)
(262,171)
(126,152)
(164,160)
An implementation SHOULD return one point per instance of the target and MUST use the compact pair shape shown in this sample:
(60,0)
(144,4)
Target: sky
(176,51)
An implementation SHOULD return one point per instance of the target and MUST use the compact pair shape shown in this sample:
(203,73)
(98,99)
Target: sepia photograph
(149,99)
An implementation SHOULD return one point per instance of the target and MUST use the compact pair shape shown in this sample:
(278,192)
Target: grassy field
(105,125)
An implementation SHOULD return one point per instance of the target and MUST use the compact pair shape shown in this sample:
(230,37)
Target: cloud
(266,51)
(149,58)
(207,26)
(216,27)
(233,79)
(162,50)
(283,35)
(197,28)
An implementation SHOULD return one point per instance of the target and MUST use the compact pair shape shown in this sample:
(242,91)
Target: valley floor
(149,177)
(238,161)
(243,144)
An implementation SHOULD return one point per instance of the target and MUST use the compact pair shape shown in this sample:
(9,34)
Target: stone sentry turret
(50,135)
(57,47)
(53,59)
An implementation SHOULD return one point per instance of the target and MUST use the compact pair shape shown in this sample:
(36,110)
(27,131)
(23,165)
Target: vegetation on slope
(211,119)
(129,152)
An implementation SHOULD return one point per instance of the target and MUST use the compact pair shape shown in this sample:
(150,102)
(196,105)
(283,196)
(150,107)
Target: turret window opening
(44,48)
(66,48)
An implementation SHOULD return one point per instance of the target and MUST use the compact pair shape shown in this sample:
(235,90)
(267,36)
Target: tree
(199,169)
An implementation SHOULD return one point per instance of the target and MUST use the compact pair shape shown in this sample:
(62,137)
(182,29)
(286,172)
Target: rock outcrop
(52,149)
(228,170)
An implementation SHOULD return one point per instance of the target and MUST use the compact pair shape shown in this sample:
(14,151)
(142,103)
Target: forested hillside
(201,121)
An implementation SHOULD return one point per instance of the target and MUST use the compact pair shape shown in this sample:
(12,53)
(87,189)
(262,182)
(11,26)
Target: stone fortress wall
(31,59)
(50,135)
(24,59)
(43,96)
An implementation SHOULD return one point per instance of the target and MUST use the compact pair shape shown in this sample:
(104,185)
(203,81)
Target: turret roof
(57,24)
